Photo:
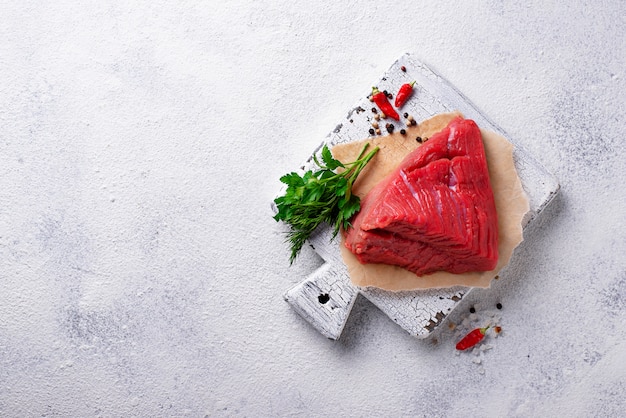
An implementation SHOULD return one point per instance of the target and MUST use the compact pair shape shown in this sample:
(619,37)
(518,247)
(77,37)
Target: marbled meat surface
(435,212)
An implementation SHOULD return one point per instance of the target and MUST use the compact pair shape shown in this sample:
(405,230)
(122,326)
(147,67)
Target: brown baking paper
(510,199)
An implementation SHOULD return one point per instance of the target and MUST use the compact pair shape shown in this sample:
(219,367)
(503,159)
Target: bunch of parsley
(320,196)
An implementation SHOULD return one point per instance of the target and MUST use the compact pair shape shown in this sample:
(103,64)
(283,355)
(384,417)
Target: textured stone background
(141,273)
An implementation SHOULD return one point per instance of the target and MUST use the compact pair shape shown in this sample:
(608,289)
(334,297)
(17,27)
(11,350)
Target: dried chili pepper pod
(403,94)
(470,340)
(382,102)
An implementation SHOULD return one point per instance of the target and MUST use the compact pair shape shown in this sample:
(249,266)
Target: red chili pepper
(470,340)
(383,103)
(403,94)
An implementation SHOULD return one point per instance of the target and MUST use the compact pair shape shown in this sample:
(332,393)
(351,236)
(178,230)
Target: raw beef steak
(435,212)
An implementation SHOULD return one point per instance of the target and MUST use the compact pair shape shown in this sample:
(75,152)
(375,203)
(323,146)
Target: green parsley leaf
(328,159)
(320,196)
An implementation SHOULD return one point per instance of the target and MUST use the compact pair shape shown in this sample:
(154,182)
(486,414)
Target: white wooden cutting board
(326,296)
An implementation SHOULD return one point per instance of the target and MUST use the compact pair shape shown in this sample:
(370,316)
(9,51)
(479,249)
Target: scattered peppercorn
(372,131)
(403,131)
(419,139)
(498,330)
(374,110)
(406,115)
(389,127)
(403,69)
(413,122)
(375,124)
(499,305)
(351,121)
(472,310)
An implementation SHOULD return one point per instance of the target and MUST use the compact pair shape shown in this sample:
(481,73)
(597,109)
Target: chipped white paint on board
(326,297)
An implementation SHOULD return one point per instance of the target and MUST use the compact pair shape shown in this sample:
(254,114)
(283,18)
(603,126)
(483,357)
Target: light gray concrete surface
(141,273)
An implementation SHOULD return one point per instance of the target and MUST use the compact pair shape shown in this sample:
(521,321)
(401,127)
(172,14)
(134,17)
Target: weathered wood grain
(326,297)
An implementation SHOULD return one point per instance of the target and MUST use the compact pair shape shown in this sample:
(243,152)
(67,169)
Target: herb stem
(320,196)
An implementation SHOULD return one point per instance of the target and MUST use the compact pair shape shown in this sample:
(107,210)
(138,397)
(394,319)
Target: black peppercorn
(372,131)
(499,305)
(472,310)
(403,131)
(403,69)
(374,110)
(419,139)
(406,115)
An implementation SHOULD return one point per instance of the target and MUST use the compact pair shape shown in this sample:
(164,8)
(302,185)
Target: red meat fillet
(435,212)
